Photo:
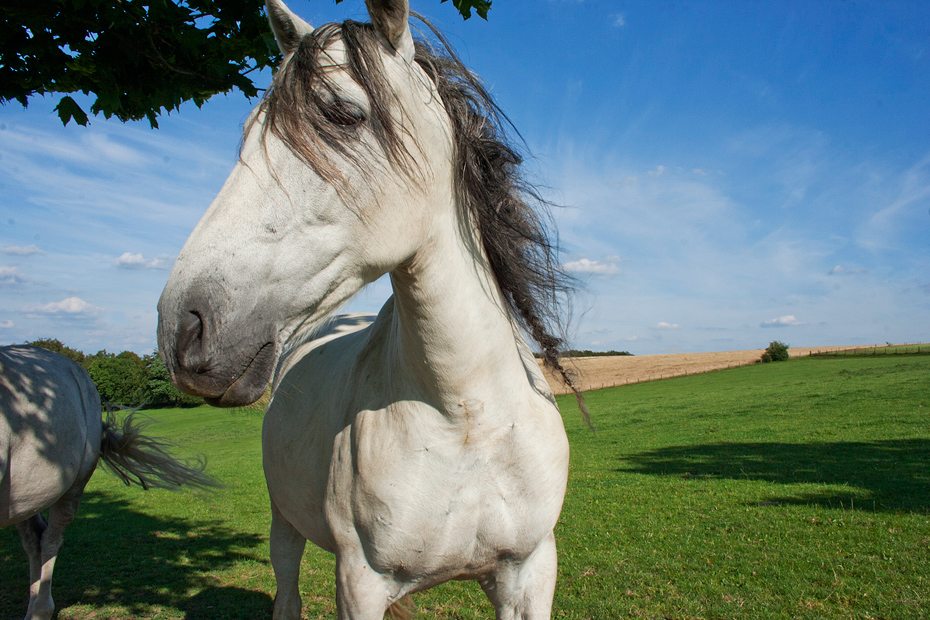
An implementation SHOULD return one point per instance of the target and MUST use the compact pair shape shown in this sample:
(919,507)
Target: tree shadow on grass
(892,475)
(113,555)
(228,602)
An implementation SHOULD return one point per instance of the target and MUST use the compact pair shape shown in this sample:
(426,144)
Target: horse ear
(390,18)
(287,27)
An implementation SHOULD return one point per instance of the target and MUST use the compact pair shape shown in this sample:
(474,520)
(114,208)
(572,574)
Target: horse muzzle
(227,361)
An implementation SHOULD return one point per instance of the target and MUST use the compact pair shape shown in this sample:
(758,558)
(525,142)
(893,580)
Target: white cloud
(840,270)
(71,307)
(659,171)
(788,320)
(136,261)
(605,267)
(619,20)
(6,324)
(10,276)
(664,325)
(22,250)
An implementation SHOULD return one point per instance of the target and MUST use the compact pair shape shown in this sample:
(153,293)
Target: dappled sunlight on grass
(117,557)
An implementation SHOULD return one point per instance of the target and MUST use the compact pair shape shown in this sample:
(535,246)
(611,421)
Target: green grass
(792,490)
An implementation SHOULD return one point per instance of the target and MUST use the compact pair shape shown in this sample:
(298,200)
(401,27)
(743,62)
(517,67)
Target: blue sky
(731,173)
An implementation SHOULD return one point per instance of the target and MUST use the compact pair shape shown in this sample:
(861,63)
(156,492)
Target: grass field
(787,490)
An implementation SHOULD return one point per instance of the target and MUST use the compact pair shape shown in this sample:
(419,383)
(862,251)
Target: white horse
(426,446)
(51,438)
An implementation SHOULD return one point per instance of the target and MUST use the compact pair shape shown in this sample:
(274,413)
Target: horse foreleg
(287,549)
(30,534)
(523,590)
(361,593)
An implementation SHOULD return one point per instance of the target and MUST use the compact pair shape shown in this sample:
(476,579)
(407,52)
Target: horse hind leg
(524,590)
(42,540)
(30,534)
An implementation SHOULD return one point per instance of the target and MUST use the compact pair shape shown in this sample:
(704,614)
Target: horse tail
(400,610)
(148,462)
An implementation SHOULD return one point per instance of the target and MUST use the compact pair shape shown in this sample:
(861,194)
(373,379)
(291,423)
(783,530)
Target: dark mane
(302,107)
(510,215)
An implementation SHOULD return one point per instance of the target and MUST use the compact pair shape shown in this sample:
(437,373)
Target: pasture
(788,490)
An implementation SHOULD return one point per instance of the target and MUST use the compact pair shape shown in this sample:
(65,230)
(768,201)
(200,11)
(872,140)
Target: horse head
(341,169)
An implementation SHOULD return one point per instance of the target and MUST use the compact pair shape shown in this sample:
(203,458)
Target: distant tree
(103,354)
(120,379)
(159,391)
(125,378)
(139,58)
(53,344)
(587,353)
(775,352)
(590,353)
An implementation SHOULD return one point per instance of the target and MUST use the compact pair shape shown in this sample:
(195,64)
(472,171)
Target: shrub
(776,352)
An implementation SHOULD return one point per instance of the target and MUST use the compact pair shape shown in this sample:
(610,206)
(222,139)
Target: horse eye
(343,113)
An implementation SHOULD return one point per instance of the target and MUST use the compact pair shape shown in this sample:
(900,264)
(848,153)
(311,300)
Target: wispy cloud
(136,261)
(603,268)
(22,250)
(904,211)
(788,320)
(618,20)
(839,270)
(6,325)
(664,325)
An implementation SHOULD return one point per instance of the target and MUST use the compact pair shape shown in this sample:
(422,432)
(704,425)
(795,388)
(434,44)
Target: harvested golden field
(598,372)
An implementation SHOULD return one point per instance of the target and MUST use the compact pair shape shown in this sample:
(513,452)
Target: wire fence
(876,350)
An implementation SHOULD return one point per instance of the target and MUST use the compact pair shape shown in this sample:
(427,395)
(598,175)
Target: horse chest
(427,504)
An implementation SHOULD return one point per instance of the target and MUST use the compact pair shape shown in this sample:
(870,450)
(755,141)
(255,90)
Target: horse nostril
(191,354)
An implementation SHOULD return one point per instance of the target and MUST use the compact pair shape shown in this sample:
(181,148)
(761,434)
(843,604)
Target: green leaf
(67,109)
(481,7)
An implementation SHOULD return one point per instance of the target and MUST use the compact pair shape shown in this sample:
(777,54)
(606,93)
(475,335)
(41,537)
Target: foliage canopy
(140,58)
(126,379)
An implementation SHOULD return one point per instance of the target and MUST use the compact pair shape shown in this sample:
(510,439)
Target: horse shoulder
(306,413)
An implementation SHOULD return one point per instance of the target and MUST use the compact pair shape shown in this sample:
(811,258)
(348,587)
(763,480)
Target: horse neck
(453,330)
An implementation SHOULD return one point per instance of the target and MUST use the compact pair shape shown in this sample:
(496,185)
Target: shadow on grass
(889,475)
(228,602)
(113,555)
